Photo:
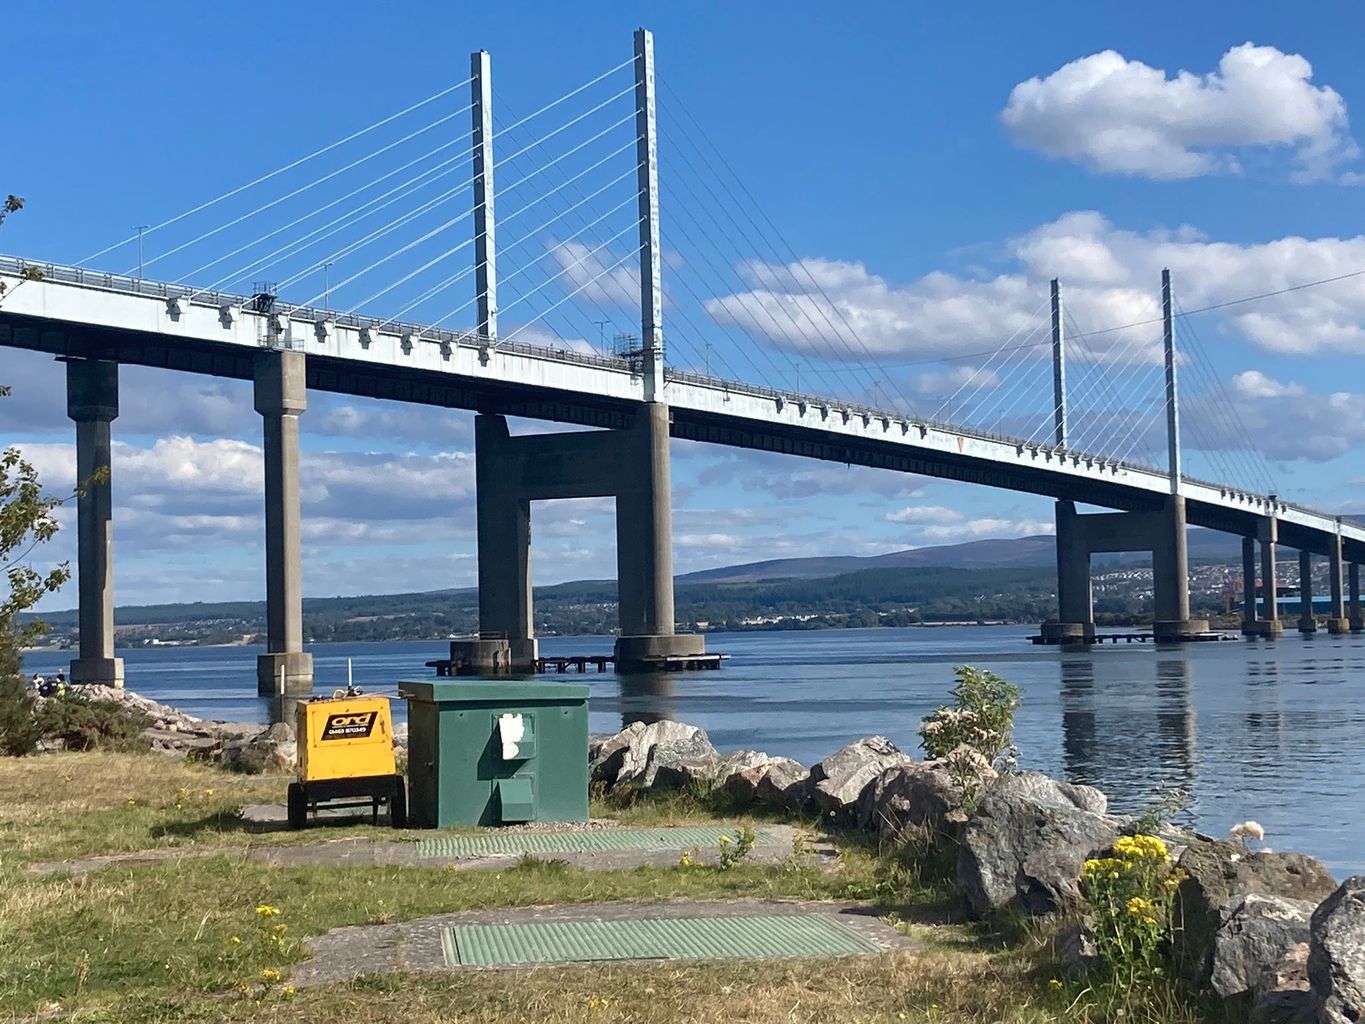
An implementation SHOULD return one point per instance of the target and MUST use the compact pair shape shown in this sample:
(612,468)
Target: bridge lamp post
(140,228)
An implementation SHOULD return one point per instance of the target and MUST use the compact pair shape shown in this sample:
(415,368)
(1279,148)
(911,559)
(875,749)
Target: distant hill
(1018,553)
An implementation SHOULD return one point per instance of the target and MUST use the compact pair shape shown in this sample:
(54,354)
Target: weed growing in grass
(735,849)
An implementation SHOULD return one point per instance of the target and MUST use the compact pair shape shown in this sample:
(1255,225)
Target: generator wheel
(298,806)
(398,804)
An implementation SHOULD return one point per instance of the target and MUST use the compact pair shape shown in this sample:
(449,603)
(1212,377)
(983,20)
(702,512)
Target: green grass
(155,942)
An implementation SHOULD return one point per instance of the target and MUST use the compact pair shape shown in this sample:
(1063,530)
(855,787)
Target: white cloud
(924,514)
(987,527)
(1121,116)
(1255,384)
(1110,277)
(600,276)
(1280,420)
(942,383)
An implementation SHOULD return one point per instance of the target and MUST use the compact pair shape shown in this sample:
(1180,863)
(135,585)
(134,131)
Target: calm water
(1274,732)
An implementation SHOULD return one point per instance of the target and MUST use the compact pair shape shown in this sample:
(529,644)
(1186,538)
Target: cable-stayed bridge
(1050,410)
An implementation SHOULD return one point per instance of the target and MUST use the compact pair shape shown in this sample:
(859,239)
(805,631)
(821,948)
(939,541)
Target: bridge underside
(446,390)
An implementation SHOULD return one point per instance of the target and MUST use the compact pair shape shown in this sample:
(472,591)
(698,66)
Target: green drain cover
(694,938)
(582,841)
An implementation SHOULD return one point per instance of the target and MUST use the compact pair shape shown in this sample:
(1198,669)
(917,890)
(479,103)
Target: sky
(868,206)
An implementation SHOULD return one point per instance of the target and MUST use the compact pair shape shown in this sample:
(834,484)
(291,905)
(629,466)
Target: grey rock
(837,782)
(1282,995)
(914,794)
(1076,951)
(1336,955)
(1026,843)
(1216,873)
(1255,931)
(682,750)
(604,764)
(738,761)
(777,782)
(680,764)
(272,750)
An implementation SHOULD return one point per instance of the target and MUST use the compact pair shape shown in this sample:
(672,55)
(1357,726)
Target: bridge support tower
(1337,622)
(630,465)
(1308,623)
(1357,620)
(1160,531)
(92,401)
(1268,624)
(280,397)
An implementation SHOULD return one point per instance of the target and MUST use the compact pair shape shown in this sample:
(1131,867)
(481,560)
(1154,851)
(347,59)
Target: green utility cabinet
(494,753)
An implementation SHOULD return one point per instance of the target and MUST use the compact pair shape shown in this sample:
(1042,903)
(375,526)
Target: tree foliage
(27,521)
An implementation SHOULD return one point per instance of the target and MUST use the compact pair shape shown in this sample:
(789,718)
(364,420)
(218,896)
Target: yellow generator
(345,745)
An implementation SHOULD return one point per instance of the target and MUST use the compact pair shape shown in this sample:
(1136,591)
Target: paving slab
(677,930)
(601,847)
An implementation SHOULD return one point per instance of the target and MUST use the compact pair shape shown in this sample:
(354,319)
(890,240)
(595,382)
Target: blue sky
(927,170)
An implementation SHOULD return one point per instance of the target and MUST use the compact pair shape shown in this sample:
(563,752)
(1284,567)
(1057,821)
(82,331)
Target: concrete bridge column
(92,401)
(1307,622)
(1248,586)
(1336,616)
(280,397)
(1075,606)
(506,629)
(644,549)
(1269,625)
(1357,622)
(1171,577)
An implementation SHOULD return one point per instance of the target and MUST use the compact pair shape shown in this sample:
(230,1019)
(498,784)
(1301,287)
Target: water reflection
(647,698)
(1137,742)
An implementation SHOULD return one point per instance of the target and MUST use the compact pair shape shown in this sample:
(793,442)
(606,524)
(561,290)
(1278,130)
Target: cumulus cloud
(1281,420)
(1110,278)
(1121,116)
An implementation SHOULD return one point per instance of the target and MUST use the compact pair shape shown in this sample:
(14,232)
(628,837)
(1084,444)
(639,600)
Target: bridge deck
(74,312)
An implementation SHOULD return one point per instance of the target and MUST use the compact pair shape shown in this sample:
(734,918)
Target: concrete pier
(1267,533)
(630,465)
(1160,531)
(92,402)
(1357,622)
(1307,623)
(1337,623)
(1249,586)
(280,398)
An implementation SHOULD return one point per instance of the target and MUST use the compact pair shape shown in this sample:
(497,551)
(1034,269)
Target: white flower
(1247,830)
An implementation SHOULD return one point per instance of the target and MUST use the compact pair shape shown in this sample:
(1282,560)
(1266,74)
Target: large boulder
(915,794)
(837,782)
(775,782)
(272,750)
(681,752)
(1336,956)
(1255,933)
(1282,995)
(606,754)
(1027,842)
(1216,873)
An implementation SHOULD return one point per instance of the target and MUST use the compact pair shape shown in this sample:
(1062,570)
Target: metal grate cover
(695,938)
(585,841)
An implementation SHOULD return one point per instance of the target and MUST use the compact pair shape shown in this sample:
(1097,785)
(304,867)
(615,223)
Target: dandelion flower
(266,910)
(270,975)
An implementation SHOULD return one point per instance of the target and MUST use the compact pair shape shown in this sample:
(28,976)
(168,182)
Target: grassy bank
(182,939)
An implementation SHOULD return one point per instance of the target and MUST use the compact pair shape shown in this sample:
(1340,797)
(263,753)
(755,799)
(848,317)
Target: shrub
(974,735)
(83,724)
(18,732)
(1130,895)
(981,717)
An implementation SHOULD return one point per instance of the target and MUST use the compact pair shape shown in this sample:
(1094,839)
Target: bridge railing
(419,332)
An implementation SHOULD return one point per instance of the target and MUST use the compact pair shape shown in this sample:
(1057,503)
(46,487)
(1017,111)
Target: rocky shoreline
(1272,933)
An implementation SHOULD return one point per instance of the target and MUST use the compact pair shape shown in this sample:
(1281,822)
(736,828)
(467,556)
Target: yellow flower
(270,975)
(280,929)
(266,910)
(1139,907)
(288,991)
(1140,847)
(235,941)
(1054,983)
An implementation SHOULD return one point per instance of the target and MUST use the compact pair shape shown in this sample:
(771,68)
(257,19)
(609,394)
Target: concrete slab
(346,953)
